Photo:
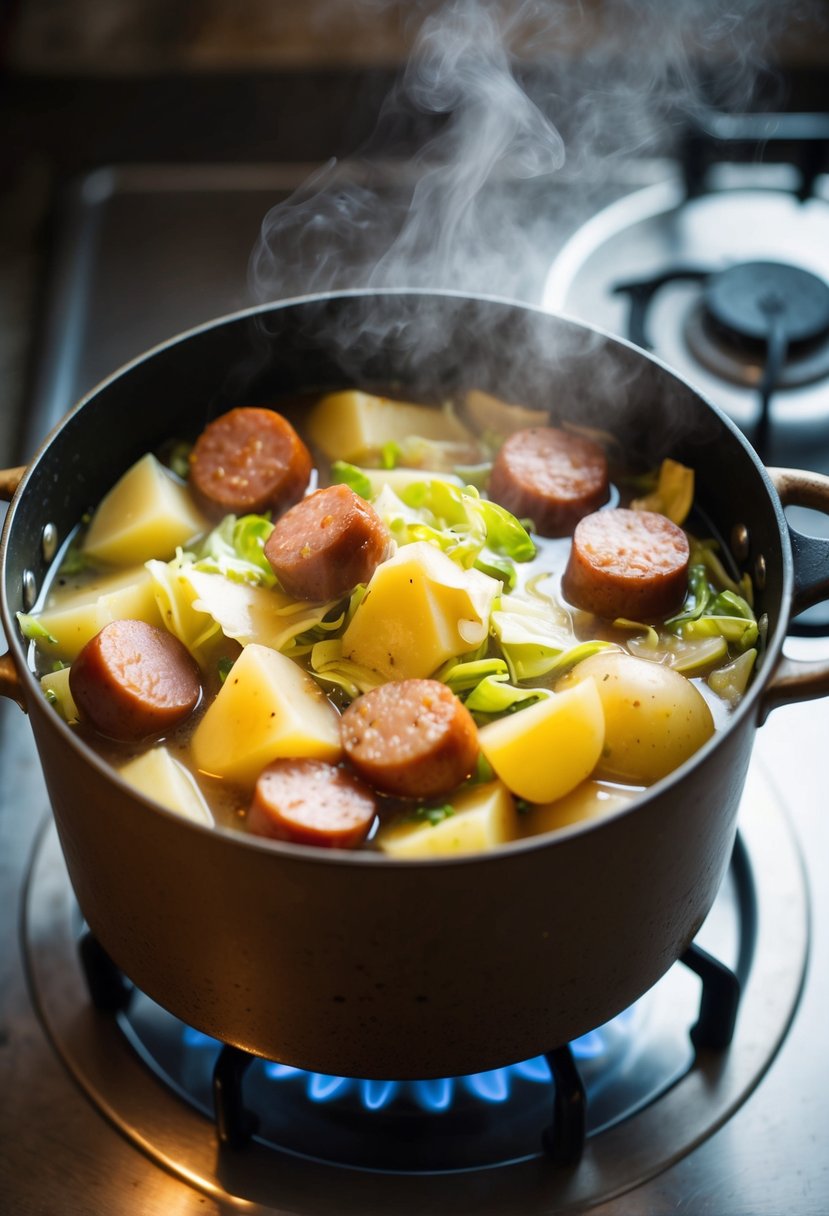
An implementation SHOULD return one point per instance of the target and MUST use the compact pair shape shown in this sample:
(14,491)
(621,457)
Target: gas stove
(722,270)
(712,1092)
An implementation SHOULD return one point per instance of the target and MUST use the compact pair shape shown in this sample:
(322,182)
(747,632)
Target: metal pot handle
(796,680)
(9,481)
(10,685)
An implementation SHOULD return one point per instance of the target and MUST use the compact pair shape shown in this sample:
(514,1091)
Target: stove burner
(436,1125)
(761,324)
(293,1162)
(773,307)
(751,302)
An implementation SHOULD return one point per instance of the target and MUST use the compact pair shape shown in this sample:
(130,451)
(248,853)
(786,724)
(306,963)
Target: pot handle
(9,481)
(10,685)
(793,679)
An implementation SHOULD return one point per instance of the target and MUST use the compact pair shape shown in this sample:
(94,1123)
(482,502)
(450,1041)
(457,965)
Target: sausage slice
(631,564)
(133,680)
(327,544)
(250,459)
(311,802)
(412,738)
(551,477)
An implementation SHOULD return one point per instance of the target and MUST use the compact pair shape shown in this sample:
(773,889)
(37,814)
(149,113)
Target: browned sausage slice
(133,680)
(311,802)
(631,564)
(413,738)
(551,477)
(327,544)
(250,459)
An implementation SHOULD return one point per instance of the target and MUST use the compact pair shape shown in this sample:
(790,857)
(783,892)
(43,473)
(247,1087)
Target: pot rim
(366,857)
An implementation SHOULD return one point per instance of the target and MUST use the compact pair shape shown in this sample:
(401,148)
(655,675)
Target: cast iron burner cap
(747,302)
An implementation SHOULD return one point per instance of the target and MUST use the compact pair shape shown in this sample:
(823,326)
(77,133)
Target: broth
(537,583)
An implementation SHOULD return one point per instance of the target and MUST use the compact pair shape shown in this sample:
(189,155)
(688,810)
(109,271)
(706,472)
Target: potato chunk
(147,513)
(588,801)
(352,425)
(543,752)
(268,708)
(654,718)
(483,817)
(160,777)
(492,416)
(55,685)
(420,609)
(78,615)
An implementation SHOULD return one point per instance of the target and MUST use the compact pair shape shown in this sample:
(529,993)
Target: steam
(435,224)
(517,97)
(497,82)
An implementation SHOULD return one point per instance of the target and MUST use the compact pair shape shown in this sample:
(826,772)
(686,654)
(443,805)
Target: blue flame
(434,1095)
(322,1088)
(493,1087)
(377,1094)
(536,1069)
(195,1038)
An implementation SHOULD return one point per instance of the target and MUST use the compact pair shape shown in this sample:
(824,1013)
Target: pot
(352,963)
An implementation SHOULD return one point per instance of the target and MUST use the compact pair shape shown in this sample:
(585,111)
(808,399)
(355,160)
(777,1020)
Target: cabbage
(493,698)
(348,474)
(708,613)
(673,495)
(464,677)
(471,530)
(235,548)
(176,596)
(199,606)
(33,630)
(329,667)
(731,681)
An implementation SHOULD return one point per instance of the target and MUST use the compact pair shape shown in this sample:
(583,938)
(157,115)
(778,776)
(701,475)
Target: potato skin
(654,718)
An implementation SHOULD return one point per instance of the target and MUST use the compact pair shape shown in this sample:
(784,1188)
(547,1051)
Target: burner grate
(765,942)
(440,1124)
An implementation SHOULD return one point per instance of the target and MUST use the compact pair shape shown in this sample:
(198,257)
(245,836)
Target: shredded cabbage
(471,530)
(536,641)
(731,681)
(673,495)
(235,548)
(176,596)
(33,630)
(329,667)
(350,475)
(493,698)
(709,613)
(464,677)
(199,606)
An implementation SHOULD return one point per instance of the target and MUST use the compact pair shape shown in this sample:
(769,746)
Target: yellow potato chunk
(590,800)
(55,686)
(157,775)
(420,609)
(268,708)
(491,415)
(484,817)
(543,752)
(351,425)
(654,718)
(148,513)
(78,615)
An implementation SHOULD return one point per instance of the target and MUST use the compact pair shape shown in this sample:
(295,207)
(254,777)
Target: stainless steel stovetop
(141,254)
